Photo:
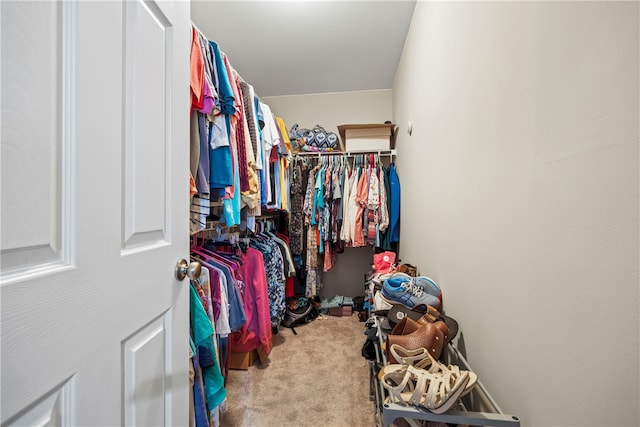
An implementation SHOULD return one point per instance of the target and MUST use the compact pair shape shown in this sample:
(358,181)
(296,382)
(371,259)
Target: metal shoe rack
(386,412)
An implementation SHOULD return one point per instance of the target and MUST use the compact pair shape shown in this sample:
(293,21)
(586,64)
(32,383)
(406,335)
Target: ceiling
(302,47)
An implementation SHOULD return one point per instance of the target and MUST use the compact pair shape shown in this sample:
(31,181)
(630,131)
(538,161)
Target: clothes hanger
(213,247)
(219,255)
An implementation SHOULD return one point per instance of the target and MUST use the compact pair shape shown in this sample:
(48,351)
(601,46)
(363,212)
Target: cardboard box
(243,360)
(367,137)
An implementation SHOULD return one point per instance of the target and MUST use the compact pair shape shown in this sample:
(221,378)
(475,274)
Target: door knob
(184,269)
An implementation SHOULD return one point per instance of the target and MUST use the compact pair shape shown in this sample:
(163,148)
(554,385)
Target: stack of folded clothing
(337,306)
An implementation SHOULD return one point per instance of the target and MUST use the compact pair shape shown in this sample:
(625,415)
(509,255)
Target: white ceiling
(301,47)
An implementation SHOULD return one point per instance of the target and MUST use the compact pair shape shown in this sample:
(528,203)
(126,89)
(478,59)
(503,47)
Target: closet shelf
(383,153)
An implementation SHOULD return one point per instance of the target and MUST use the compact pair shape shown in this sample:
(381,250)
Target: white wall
(520,196)
(330,110)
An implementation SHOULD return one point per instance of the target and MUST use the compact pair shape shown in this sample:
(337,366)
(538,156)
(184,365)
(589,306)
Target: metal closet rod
(383,153)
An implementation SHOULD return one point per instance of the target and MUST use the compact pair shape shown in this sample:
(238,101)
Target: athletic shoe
(380,304)
(400,289)
(429,286)
(425,283)
(375,281)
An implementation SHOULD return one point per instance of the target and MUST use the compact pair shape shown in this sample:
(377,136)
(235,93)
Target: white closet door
(95,109)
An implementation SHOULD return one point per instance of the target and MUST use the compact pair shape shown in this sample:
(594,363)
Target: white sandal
(421,358)
(436,392)
(408,357)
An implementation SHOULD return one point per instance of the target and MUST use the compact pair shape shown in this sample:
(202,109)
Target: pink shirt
(257,330)
(361,200)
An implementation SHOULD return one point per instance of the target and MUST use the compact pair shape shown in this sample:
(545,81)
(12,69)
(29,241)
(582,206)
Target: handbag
(316,137)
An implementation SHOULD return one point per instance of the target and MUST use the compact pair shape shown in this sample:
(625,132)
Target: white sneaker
(380,303)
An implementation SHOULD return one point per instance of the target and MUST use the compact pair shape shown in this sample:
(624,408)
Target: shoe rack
(386,413)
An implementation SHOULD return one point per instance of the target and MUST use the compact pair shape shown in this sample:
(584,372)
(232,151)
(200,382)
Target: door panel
(33,226)
(52,410)
(95,331)
(146,353)
(148,44)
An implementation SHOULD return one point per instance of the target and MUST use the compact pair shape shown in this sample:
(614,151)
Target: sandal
(408,357)
(436,392)
(421,358)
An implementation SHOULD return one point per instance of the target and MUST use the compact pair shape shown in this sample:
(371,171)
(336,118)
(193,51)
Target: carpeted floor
(316,378)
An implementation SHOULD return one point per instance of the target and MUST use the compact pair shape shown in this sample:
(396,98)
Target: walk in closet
(272,216)
(513,150)
(162,262)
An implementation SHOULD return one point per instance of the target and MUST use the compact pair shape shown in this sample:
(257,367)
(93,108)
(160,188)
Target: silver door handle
(185,269)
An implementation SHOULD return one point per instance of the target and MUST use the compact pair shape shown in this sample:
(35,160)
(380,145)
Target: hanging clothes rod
(380,153)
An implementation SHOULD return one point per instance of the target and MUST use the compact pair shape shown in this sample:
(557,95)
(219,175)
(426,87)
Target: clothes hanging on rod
(340,200)
(358,184)
(208,346)
(239,169)
(349,154)
(260,265)
(240,151)
(205,373)
(231,292)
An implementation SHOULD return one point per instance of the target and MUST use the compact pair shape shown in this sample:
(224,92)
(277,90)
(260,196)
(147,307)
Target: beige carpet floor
(315,378)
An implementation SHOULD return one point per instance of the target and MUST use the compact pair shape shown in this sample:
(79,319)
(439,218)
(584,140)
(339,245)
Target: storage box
(342,311)
(367,137)
(242,360)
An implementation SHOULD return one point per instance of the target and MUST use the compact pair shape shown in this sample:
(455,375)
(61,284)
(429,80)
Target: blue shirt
(394,215)
(227,100)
